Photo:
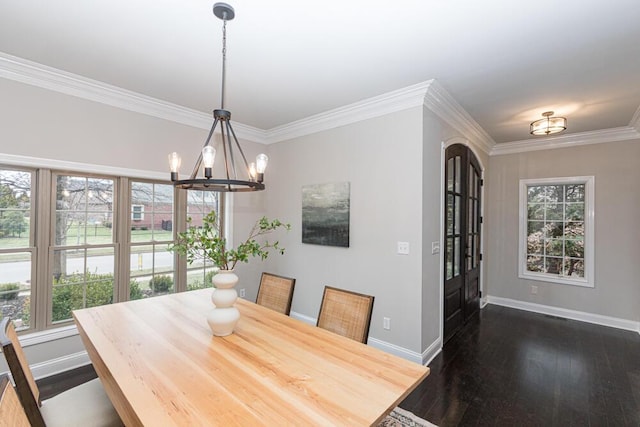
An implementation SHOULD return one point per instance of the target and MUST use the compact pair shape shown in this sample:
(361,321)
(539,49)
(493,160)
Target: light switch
(435,248)
(403,248)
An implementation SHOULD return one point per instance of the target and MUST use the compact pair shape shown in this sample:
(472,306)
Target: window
(84,250)
(16,245)
(199,204)
(151,264)
(70,240)
(137,212)
(556,230)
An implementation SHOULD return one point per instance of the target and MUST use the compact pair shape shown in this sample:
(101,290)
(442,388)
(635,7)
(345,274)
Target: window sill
(41,337)
(584,283)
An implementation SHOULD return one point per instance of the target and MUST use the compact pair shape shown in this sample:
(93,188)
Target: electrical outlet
(242,293)
(403,248)
(534,289)
(386,323)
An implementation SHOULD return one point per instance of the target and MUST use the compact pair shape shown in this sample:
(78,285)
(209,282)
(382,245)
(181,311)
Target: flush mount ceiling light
(548,125)
(238,175)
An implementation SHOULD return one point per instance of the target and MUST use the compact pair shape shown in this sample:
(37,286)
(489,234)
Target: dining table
(161,366)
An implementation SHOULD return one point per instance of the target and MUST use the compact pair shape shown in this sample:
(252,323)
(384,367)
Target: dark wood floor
(509,367)
(514,368)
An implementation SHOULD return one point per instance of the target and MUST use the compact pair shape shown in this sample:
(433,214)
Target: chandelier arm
(224,150)
(232,158)
(194,173)
(235,138)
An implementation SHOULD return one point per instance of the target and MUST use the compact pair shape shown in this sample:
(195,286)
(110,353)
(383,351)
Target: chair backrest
(26,387)
(11,412)
(276,292)
(346,313)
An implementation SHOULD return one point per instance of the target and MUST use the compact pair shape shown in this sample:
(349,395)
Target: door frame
(483,298)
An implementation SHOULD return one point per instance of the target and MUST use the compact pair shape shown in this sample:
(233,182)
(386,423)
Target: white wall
(617,235)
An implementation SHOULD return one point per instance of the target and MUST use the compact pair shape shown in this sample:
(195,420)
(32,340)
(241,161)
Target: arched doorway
(462,237)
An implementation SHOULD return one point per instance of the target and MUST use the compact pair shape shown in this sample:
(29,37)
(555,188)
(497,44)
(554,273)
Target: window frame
(589,238)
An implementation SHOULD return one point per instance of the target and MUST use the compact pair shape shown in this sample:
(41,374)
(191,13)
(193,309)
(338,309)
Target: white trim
(48,335)
(303,318)
(36,162)
(429,93)
(589,220)
(391,102)
(431,352)
(60,364)
(438,100)
(35,74)
(598,319)
(635,120)
(625,133)
(395,350)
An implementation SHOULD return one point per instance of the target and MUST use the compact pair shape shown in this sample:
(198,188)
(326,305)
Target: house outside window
(556,230)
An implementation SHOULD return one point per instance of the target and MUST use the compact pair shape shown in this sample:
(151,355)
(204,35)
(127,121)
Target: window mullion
(122,225)
(45,220)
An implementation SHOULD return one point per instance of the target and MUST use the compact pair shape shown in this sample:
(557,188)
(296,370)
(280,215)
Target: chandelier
(238,174)
(548,125)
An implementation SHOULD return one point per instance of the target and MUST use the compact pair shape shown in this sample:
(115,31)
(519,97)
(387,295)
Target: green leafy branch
(207,243)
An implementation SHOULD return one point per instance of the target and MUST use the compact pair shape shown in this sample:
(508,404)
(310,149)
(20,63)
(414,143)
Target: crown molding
(438,100)
(624,133)
(38,162)
(391,102)
(32,73)
(428,93)
(635,120)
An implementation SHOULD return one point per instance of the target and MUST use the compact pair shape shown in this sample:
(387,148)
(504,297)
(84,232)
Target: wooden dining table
(161,366)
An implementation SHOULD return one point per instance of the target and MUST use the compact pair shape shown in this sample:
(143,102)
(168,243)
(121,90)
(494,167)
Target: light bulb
(252,171)
(208,157)
(261,165)
(261,162)
(174,165)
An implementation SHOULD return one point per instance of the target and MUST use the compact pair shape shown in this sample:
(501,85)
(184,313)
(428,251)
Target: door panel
(462,237)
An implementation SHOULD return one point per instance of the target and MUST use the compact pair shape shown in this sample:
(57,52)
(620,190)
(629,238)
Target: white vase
(224,316)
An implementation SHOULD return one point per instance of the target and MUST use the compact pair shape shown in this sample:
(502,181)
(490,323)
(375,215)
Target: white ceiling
(504,61)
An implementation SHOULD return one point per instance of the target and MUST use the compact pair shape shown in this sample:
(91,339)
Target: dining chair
(276,292)
(346,313)
(11,412)
(85,405)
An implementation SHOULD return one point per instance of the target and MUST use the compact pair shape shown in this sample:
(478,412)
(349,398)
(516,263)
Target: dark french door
(463,187)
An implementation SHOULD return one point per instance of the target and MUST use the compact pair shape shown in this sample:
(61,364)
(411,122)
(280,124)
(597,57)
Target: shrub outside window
(556,230)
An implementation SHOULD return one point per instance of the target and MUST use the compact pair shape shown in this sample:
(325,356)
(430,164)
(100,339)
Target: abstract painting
(325,214)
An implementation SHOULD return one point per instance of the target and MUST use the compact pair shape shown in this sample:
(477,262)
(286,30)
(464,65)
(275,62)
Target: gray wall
(382,159)
(617,235)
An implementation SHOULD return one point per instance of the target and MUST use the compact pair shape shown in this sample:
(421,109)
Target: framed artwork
(325,214)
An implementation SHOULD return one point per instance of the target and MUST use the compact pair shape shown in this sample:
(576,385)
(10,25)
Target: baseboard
(396,350)
(60,364)
(432,351)
(303,318)
(582,316)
